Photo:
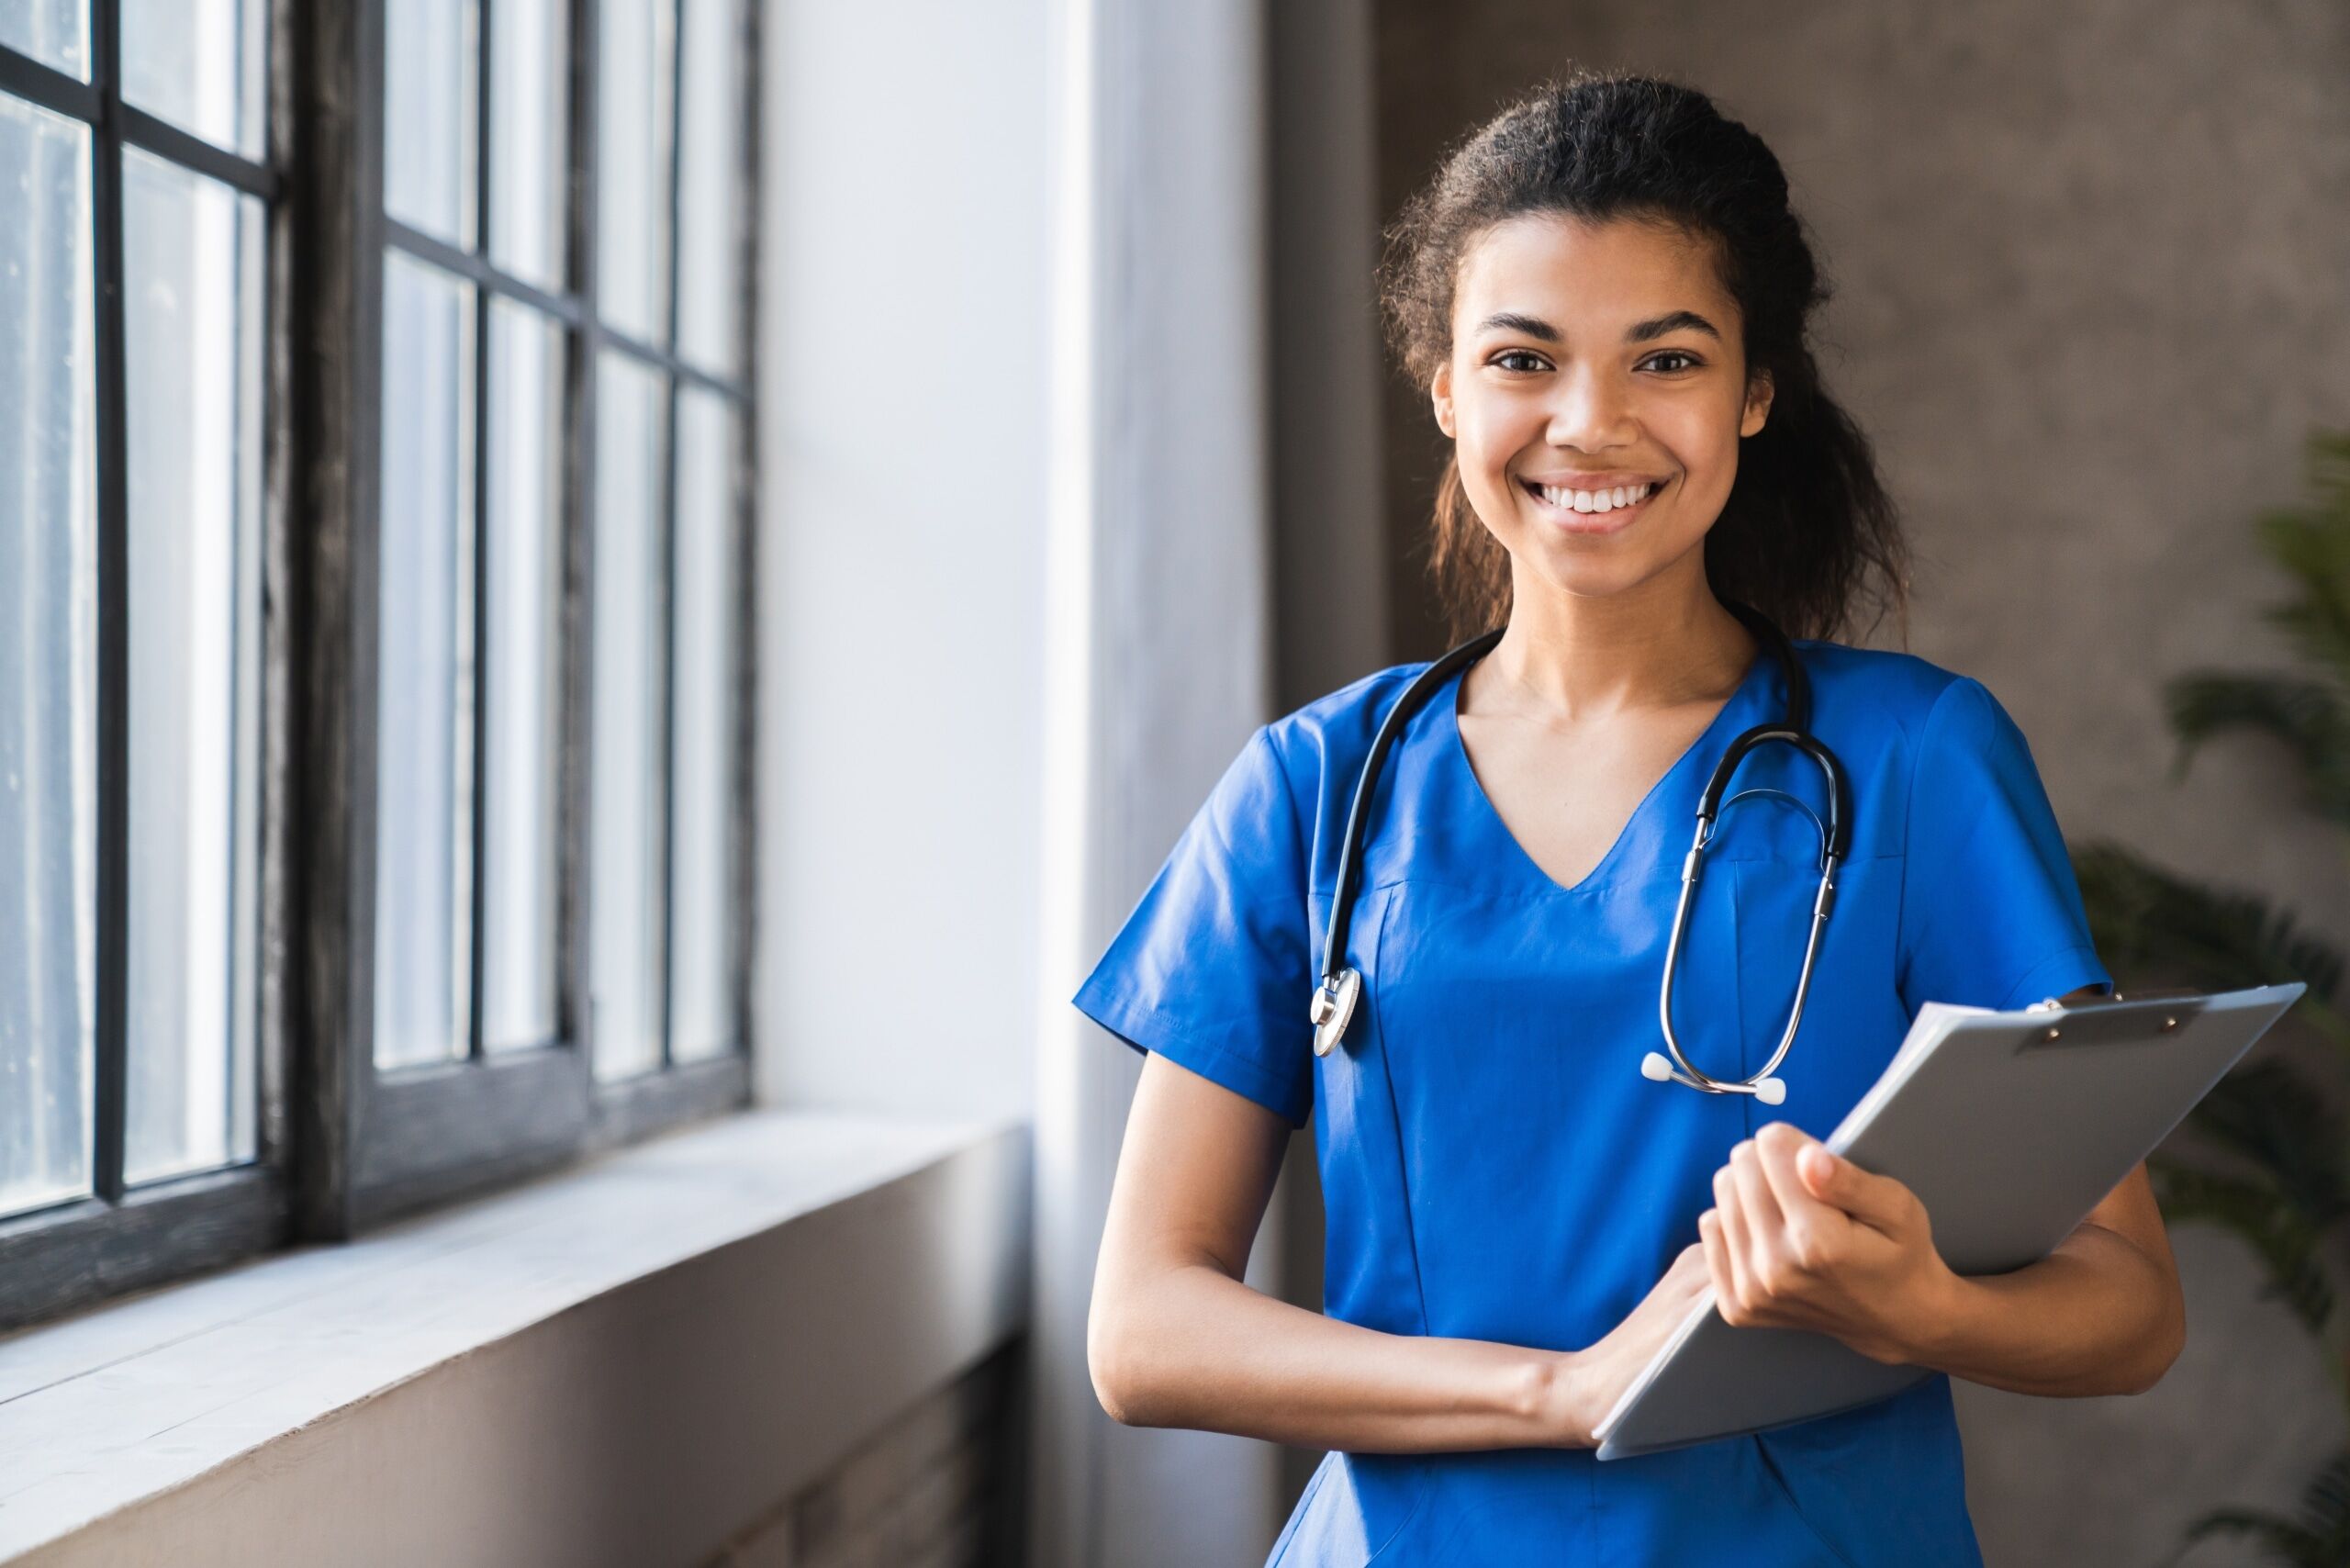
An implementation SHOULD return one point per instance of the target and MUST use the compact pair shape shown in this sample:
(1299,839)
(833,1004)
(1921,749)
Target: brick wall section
(940,1486)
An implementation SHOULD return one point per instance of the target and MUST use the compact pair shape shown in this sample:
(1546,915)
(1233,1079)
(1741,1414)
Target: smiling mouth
(1580,504)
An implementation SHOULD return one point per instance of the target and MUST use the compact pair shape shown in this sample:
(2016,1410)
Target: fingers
(1754,1227)
(1764,1225)
(1730,1217)
(1809,1229)
(1878,1202)
(1718,1269)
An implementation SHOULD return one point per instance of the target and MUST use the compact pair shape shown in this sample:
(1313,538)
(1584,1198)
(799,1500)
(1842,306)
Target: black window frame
(343,1145)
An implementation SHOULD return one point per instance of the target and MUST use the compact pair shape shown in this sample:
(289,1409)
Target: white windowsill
(611,1281)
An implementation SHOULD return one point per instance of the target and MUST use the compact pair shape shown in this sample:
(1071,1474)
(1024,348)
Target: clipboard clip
(2102,1020)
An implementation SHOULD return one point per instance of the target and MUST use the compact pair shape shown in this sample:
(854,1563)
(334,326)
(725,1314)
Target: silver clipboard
(2010,1127)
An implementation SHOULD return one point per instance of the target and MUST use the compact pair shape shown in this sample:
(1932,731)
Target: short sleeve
(1212,968)
(1991,915)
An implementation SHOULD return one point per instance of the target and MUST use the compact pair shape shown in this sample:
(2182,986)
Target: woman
(1606,297)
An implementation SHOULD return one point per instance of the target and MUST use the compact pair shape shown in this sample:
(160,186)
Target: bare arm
(1845,1252)
(2102,1313)
(1176,1339)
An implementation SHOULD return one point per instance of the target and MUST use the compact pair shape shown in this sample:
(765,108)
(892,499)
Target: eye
(1503,359)
(1677,353)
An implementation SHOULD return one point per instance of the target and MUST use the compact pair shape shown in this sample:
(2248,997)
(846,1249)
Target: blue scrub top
(1494,1164)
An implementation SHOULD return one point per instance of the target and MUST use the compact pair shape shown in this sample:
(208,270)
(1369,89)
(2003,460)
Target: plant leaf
(2311,717)
(2147,921)
(2270,1114)
(2290,1247)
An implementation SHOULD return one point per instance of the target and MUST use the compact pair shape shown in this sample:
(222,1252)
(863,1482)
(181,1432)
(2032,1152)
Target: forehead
(1573,271)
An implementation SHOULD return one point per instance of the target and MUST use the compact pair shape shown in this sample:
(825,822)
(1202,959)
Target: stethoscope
(1340,985)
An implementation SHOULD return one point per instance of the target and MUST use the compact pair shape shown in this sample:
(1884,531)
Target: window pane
(523,737)
(625,888)
(424,658)
(712,204)
(633,151)
(192,257)
(48,659)
(705,690)
(431,51)
(200,64)
(530,143)
(55,32)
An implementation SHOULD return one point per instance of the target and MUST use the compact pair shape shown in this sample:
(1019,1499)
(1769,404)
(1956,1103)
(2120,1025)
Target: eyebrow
(1637,333)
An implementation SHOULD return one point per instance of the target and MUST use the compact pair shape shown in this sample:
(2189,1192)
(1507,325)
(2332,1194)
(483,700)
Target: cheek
(1705,443)
(1492,430)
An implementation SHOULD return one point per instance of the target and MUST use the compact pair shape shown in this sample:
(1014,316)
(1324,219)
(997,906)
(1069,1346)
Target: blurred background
(605,603)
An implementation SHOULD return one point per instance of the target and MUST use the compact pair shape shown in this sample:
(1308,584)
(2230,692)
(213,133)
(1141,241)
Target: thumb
(1873,1200)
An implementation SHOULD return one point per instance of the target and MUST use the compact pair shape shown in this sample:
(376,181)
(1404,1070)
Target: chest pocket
(1370,1275)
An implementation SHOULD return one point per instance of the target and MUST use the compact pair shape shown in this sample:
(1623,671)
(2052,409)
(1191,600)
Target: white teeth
(1595,500)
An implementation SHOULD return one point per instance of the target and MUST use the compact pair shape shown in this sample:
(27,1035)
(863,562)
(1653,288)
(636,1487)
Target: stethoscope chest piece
(1334,1004)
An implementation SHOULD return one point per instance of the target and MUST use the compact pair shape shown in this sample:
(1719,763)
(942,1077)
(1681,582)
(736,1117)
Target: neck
(1663,643)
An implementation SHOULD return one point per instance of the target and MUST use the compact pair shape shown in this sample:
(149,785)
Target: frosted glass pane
(635,129)
(423,656)
(713,208)
(625,878)
(192,255)
(431,52)
(48,659)
(201,64)
(522,682)
(529,143)
(705,692)
(55,32)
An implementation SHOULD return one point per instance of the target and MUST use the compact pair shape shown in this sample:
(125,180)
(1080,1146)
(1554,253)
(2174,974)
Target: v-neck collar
(1705,750)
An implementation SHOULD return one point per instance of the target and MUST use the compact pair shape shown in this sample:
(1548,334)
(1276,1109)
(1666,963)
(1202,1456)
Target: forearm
(2096,1317)
(1195,1347)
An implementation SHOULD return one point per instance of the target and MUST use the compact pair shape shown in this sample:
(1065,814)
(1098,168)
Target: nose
(1590,410)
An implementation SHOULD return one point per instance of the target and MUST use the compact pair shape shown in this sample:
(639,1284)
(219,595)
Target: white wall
(901,426)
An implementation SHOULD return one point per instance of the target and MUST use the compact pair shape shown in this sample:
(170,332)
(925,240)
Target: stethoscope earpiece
(1770,1090)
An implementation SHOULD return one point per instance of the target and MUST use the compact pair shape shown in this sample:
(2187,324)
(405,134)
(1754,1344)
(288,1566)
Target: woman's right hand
(1587,1383)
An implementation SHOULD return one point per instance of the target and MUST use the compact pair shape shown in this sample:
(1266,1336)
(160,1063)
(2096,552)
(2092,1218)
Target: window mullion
(669,551)
(112,966)
(743,908)
(577,792)
(477,772)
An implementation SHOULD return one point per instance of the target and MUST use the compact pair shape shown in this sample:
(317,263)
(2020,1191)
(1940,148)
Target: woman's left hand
(1800,1238)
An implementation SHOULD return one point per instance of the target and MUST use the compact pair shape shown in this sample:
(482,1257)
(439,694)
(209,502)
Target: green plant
(2278,1169)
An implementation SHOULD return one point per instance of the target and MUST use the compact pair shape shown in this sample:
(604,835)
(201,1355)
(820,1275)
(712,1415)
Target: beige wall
(2093,270)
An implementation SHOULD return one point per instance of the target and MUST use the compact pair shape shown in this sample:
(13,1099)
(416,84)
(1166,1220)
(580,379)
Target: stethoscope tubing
(1338,987)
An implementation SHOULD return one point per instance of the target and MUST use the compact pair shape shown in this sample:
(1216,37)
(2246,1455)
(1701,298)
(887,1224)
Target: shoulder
(1897,695)
(1941,738)
(1333,732)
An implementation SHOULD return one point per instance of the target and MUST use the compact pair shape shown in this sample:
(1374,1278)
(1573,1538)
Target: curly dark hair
(1808,527)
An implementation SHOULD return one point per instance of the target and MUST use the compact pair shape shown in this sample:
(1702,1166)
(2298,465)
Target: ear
(1759,390)
(1441,396)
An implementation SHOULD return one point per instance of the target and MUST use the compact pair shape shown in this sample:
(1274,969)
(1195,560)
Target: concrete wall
(2091,263)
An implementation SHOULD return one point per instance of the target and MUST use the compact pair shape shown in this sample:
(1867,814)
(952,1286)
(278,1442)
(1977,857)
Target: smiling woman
(1605,295)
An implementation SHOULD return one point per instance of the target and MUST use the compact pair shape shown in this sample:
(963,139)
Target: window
(374,550)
